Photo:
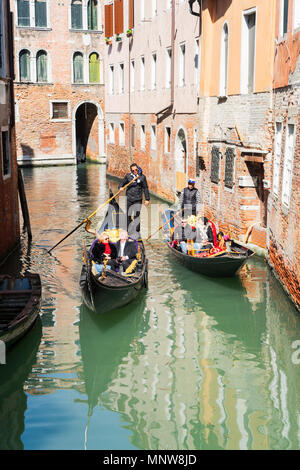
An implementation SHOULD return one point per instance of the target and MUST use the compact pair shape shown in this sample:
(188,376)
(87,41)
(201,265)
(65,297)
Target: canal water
(193,363)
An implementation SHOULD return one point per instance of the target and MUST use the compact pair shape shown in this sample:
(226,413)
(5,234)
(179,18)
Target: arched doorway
(180,160)
(88,132)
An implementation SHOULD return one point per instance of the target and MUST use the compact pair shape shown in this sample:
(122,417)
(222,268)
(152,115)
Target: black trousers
(133,218)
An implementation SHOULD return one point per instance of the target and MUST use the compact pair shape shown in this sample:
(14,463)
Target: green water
(193,363)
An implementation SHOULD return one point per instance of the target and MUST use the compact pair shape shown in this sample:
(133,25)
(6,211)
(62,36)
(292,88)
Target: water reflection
(195,363)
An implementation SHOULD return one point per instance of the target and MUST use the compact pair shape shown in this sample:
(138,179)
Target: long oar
(162,226)
(91,215)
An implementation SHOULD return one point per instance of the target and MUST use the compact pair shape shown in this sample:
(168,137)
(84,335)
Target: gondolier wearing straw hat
(190,199)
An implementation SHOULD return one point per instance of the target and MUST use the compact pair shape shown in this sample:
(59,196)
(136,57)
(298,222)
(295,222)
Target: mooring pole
(23,202)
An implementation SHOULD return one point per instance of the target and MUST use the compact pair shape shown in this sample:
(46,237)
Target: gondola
(20,299)
(223,264)
(112,290)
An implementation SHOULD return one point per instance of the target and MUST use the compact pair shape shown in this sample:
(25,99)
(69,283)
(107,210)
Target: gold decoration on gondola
(131,267)
(103,270)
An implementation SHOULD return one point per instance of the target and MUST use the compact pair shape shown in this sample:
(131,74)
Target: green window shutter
(94,68)
(40,13)
(215,164)
(78,68)
(92,15)
(41,62)
(23,13)
(24,66)
(76,14)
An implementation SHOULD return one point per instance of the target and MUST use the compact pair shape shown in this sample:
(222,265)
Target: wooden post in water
(23,202)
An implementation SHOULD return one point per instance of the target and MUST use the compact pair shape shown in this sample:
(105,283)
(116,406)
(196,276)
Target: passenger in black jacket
(126,250)
(134,194)
(103,249)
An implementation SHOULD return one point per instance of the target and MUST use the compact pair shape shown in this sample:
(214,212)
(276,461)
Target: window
(23,13)
(121,133)
(143,136)
(142,3)
(153,71)
(41,67)
(92,12)
(229,167)
(284,13)
(296,14)
(153,137)
(111,79)
(167,139)
(76,14)
(132,75)
(40,10)
(142,73)
(197,64)
(224,62)
(94,68)
(168,67)
(215,164)
(168,4)
(111,133)
(121,79)
(78,68)
(195,142)
(60,110)
(248,53)
(132,135)
(5,154)
(154,8)
(288,165)
(24,66)
(277,157)
(182,65)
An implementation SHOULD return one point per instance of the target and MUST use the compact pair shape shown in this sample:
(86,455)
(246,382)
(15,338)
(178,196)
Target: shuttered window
(131,14)
(288,165)
(215,164)
(119,17)
(23,13)
(78,67)
(229,167)
(24,66)
(59,110)
(277,158)
(92,15)
(41,66)
(40,7)
(76,14)
(94,68)
(5,154)
(109,16)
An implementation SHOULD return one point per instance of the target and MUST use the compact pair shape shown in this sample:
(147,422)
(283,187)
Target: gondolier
(134,194)
(190,199)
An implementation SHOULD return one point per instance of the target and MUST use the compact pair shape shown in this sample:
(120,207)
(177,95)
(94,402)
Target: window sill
(87,84)
(34,83)
(60,120)
(35,28)
(86,31)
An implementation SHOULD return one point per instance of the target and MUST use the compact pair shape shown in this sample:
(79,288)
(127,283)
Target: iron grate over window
(215,164)
(229,167)
(59,110)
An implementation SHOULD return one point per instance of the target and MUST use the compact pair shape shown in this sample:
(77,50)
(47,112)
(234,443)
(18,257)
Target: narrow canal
(194,363)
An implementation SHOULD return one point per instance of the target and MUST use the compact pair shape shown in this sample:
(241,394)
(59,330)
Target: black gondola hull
(219,266)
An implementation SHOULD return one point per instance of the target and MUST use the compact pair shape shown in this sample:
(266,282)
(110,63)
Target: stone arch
(181,159)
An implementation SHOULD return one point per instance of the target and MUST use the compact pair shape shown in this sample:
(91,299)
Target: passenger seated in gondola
(204,234)
(126,252)
(103,250)
(184,232)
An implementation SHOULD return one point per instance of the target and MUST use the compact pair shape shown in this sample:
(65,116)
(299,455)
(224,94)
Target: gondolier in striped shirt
(189,200)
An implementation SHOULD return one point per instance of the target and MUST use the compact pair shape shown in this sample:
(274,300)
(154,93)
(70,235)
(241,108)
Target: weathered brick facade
(9,208)
(41,137)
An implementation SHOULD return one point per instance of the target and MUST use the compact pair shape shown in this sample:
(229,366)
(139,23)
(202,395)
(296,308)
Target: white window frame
(244,57)
(154,70)
(288,163)
(167,138)
(197,65)
(142,73)
(132,75)
(277,157)
(62,119)
(154,8)
(182,64)
(296,18)
(111,79)
(281,33)
(111,130)
(142,10)
(8,175)
(32,16)
(49,77)
(168,4)
(153,137)
(121,133)
(143,136)
(168,67)
(121,78)
(85,18)
(223,85)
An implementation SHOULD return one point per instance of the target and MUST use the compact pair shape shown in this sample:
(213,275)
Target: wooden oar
(91,215)
(162,226)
